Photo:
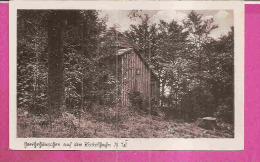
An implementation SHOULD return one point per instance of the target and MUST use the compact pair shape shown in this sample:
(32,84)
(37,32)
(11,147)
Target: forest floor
(135,126)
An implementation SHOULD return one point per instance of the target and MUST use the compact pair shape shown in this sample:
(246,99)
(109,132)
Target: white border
(236,143)
(252,2)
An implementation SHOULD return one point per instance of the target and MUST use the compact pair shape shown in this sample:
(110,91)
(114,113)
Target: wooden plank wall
(130,80)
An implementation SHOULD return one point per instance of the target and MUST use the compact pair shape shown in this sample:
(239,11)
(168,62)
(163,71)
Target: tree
(81,52)
(55,62)
(199,30)
(144,34)
(221,64)
(32,61)
(171,46)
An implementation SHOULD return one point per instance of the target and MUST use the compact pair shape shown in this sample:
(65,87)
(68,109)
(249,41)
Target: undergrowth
(107,123)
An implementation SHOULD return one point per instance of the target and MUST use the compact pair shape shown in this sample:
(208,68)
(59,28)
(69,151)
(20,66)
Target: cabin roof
(123,51)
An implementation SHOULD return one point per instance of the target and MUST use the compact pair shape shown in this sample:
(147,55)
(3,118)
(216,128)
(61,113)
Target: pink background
(252,112)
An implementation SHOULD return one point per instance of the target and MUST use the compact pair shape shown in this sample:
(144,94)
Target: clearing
(134,126)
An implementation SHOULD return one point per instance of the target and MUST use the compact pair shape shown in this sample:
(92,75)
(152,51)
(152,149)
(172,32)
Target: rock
(209,118)
(26,113)
(209,123)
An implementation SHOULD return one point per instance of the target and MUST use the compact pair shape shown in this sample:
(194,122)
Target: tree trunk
(162,92)
(81,37)
(35,85)
(55,63)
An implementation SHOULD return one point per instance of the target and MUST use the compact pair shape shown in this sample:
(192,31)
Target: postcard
(126,75)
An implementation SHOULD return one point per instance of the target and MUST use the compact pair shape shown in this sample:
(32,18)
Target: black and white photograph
(125,73)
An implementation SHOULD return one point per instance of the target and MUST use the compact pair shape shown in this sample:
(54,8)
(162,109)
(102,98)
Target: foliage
(136,101)
(195,70)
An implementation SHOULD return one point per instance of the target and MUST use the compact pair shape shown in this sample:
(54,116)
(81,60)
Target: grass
(129,126)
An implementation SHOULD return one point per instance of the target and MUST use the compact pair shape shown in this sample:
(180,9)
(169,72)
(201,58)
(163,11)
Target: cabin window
(138,71)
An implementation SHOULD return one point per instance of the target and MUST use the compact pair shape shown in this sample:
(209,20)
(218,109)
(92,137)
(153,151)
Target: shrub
(225,113)
(136,101)
(140,104)
(109,114)
(30,125)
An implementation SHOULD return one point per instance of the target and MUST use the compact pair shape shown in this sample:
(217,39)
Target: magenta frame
(252,111)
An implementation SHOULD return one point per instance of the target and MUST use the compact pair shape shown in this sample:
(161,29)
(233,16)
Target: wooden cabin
(135,74)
